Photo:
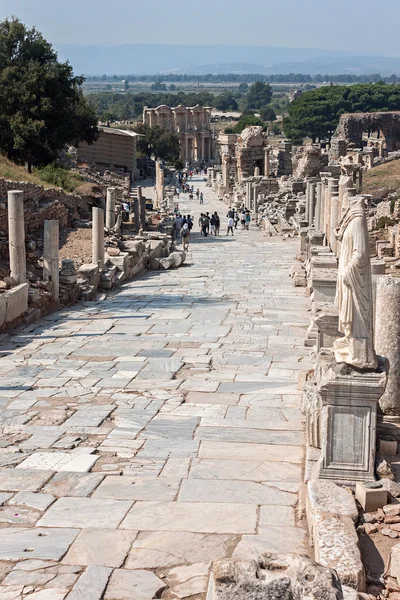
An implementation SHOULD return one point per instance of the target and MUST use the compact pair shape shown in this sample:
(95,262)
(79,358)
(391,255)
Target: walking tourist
(178,225)
(213,223)
(201,198)
(217,223)
(248,220)
(230,225)
(205,225)
(185,236)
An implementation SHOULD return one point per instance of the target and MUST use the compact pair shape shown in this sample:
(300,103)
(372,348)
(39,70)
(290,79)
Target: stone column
(267,166)
(202,147)
(225,172)
(334,218)
(318,206)
(50,257)
(387,338)
(256,171)
(186,157)
(110,208)
(98,237)
(16,236)
(332,184)
(311,203)
(142,208)
(307,216)
(136,214)
(249,190)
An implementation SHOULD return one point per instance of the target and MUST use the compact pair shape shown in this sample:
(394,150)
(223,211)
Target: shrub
(60,177)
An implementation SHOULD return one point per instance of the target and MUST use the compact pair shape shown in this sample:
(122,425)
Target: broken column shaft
(50,257)
(98,237)
(110,208)
(16,236)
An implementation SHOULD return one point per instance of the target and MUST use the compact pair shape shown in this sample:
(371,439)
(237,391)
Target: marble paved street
(148,434)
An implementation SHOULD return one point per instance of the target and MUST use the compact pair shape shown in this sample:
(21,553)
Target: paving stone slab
(260,436)
(33,500)
(188,580)
(243,451)
(58,461)
(212,398)
(91,584)
(247,470)
(248,492)
(102,547)
(46,544)
(272,539)
(132,488)
(201,517)
(85,513)
(154,549)
(73,484)
(23,480)
(133,585)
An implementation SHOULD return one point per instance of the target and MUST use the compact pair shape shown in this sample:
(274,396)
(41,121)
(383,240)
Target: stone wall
(352,126)
(41,204)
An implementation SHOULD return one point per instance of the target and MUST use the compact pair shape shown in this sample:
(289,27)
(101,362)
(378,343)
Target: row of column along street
(148,434)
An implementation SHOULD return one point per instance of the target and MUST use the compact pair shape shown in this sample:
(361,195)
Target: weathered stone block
(370,498)
(17,301)
(3,308)
(336,547)
(388,447)
(273,577)
(394,563)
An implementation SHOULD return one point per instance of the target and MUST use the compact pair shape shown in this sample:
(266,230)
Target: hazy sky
(337,25)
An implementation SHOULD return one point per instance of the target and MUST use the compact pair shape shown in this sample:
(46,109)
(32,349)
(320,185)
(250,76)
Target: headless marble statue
(354,290)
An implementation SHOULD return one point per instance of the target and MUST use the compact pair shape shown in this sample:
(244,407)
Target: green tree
(159,87)
(259,95)
(267,114)
(316,113)
(42,107)
(157,142)
(126,84)
(226,101)
(243,88)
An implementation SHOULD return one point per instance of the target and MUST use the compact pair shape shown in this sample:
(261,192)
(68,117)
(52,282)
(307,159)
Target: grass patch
(50,177)
(382,180)
(60,177)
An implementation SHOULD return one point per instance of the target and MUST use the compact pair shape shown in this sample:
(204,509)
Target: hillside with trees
(316,113)
(42,107)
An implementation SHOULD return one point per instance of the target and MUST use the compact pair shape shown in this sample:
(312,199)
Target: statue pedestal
(349,406)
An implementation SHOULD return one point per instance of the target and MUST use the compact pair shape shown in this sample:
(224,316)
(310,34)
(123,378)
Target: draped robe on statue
(354,290)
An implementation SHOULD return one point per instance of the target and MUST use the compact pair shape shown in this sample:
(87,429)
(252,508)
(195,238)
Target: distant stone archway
(352,126)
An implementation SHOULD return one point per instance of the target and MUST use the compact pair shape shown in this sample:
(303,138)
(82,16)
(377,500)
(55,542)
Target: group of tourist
(243,215)
(189,189)
(209,224)
(181,228)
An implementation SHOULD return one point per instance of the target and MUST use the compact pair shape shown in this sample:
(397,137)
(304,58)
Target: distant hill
(162,58)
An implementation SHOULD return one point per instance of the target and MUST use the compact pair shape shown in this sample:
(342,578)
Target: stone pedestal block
(349,407)
(17,301)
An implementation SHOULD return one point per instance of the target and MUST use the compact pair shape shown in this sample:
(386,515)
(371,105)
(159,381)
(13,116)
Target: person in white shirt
(230,225)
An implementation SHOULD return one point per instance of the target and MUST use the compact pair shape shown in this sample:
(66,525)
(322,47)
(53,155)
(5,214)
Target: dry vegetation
(382,180)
